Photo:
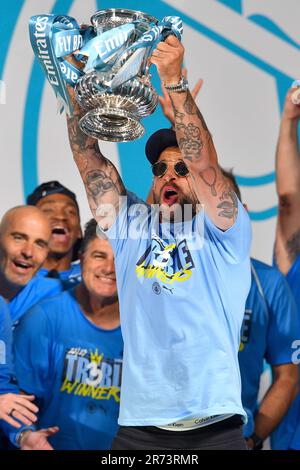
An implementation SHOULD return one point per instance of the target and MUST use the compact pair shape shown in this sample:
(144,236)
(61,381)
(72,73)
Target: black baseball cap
(158,142)
(51,187)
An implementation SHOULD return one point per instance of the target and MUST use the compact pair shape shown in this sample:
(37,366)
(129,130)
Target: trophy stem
(112,124)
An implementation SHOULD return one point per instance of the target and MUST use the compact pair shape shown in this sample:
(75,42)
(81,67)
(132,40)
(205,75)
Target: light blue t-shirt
(69,278)
(74,368)
(38,289)
(182,303)
(269,328)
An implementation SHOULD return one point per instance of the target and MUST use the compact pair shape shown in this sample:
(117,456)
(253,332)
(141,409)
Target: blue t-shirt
(182,299)
(293,278)
(74,368)
(6,370)
(290,425)
(39,288)
(69,278)
(270,326)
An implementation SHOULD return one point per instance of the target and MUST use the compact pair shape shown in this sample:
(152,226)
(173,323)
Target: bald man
(24,237)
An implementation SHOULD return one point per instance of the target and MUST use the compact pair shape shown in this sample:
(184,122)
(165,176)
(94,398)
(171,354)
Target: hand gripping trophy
(113,84)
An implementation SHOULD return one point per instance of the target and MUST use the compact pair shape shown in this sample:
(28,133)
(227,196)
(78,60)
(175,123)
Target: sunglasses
(159,169)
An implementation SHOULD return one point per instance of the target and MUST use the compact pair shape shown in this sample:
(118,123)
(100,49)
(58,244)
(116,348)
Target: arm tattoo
(293,246)
(191,144)
(77,137)
(229,205)
(101,179)
(209,177)
(191,109)
(190,140)
(179,117)
(99,182)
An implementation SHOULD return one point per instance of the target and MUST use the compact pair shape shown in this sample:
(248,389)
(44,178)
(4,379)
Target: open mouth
(22,266)
(169,195)
(60,234)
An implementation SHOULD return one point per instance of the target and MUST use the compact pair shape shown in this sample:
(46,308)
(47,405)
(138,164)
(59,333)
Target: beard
(183,210)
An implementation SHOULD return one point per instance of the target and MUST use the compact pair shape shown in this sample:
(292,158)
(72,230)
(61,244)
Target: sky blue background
(135,170)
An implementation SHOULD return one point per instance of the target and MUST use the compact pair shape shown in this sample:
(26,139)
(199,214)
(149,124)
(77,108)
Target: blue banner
(53,37)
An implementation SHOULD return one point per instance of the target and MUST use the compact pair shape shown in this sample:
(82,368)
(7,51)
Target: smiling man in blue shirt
(24,238)
(68,352)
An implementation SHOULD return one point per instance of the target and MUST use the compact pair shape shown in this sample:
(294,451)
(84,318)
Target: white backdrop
(247,52)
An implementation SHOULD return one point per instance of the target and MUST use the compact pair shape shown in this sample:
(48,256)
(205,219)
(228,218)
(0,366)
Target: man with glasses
(182,282)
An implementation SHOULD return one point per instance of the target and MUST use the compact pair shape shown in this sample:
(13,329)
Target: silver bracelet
(182,85)
(20,436)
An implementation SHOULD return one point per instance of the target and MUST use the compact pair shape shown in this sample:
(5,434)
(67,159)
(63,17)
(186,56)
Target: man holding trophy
(182,267)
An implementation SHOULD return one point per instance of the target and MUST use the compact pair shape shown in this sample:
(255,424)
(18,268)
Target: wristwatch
(181,86)
(258,442)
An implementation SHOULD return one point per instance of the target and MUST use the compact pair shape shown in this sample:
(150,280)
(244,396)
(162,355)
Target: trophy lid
(112,17)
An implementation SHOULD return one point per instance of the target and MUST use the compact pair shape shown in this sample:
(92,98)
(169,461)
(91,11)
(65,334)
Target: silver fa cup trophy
(115,104)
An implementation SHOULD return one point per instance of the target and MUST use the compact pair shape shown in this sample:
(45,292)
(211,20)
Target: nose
(27,250)
(59,215)
(109,267)
(169,174)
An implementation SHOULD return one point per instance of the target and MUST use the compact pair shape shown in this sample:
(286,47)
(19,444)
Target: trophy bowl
(115,114)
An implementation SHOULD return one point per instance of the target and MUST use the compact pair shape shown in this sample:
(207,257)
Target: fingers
(172,41)
(50,431)
(23,414)
(197,88)
(25,401)
(164,47)
(28,397)
(11,421)
(19,407)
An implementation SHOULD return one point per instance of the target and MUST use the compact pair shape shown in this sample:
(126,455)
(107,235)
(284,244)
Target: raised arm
(287,246)
(194,139)
(101,179)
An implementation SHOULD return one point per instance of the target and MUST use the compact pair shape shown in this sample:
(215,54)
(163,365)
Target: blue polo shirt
(74,368)
(69,278)
(290,426)
(6,386)
(293,278)
(270,326)
(39,288)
